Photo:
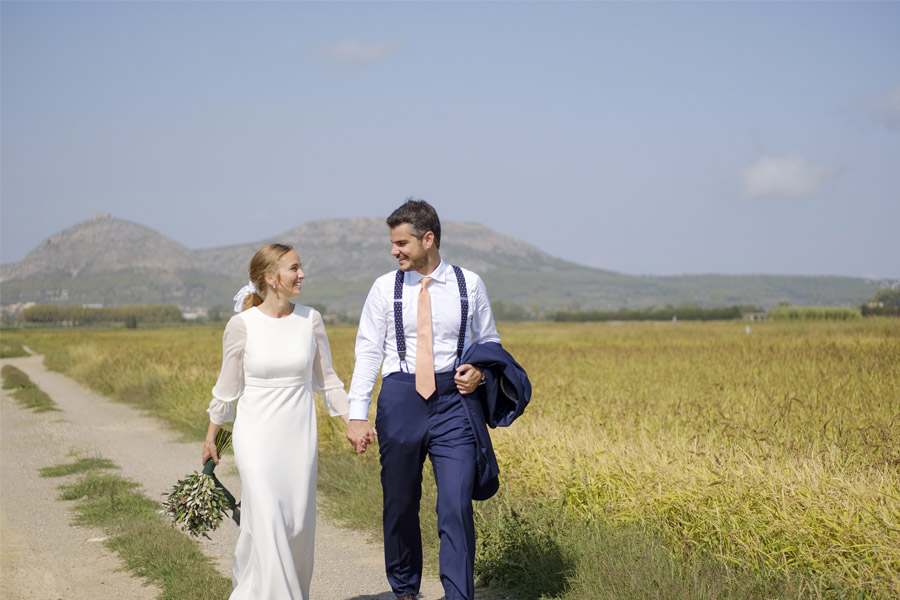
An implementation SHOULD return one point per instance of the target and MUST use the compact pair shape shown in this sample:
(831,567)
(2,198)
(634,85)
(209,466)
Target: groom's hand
(467,378)
(360,434)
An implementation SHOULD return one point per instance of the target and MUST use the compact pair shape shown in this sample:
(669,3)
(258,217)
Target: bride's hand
(360,434)
(209,451)
(209,446)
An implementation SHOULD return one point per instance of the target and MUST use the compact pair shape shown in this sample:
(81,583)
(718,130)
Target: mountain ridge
(113,261)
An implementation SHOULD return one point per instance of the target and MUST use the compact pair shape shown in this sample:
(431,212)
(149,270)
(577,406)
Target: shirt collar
(439,274)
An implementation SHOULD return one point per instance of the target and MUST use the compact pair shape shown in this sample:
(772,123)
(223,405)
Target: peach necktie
(424,351)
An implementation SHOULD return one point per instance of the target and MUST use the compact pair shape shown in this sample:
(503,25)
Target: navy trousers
(408,429)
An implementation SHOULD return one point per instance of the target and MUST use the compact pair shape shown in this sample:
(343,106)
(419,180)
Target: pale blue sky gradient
(645,138)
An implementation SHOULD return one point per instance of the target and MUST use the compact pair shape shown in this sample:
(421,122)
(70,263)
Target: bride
(275,355)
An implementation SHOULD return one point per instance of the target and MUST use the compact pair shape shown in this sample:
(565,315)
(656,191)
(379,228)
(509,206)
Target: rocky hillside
(108,261)
(339,250)
(102,245)
(111,261)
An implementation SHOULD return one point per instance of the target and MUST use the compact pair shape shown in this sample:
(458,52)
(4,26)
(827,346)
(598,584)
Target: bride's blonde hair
(264,262)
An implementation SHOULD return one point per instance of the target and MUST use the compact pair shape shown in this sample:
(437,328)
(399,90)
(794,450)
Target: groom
(414,326)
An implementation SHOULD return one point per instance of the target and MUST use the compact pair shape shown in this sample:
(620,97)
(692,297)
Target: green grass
(11,350)
(149,546)
(26,392)
(81,465)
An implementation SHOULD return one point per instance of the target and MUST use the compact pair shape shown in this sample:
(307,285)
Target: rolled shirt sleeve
(325,380)
(230,385)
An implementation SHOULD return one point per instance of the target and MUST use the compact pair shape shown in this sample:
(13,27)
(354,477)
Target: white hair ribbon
(242,293)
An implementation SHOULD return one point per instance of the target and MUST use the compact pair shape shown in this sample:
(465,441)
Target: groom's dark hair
(420,216)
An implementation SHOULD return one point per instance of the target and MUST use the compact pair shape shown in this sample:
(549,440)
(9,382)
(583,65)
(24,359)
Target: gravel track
(44,557)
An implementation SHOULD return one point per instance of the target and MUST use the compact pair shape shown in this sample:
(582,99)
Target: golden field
(775,453)
(778,450)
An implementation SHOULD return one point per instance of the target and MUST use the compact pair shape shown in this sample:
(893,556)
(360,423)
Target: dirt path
(44,557)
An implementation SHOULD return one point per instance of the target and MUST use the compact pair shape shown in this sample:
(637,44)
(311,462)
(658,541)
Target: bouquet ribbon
(208,469)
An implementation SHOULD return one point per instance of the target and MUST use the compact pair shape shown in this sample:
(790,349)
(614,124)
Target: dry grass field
(777,451)
(713,462)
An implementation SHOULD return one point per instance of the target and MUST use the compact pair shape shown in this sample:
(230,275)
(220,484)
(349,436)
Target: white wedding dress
(270,368)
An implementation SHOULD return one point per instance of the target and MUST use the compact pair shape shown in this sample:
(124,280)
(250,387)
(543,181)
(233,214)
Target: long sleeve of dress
(325,380)
(230,385)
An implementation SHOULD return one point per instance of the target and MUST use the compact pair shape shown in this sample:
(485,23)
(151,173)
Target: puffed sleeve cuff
(220,412)
(359,410)
(336,402)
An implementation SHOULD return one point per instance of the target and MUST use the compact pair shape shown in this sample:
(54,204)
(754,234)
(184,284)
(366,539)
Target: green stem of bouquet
(223,441)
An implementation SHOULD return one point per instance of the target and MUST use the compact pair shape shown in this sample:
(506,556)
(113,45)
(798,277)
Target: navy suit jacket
(504,395)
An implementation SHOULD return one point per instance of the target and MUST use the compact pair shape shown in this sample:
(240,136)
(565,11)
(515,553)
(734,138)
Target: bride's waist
(274,382)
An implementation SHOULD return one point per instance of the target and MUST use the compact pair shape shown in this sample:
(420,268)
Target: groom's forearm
(365,372)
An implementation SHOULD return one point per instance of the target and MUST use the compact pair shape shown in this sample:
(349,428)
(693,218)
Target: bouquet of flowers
(198,502)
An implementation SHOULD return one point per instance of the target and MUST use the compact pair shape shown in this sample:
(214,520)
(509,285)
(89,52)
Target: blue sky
(644,138)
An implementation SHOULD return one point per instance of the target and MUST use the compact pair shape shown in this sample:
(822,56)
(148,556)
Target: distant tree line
(886,303)
(786,312)
(222,312)
(512,311)
(686,313)
(130,316)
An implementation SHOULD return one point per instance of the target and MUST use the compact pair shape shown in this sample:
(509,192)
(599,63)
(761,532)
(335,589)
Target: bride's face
(290,275)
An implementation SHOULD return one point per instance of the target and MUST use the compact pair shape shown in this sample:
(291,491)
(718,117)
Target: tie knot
(425,282)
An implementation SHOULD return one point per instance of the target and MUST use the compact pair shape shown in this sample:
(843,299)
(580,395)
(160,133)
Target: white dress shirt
(376,341)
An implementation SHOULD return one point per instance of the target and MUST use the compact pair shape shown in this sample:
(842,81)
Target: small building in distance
(755,316)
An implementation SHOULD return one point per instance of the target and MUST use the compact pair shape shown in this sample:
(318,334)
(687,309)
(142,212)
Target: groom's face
(410,251)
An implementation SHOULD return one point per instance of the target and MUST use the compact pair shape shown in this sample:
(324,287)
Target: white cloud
(354,52)
(886,108)
(790,176)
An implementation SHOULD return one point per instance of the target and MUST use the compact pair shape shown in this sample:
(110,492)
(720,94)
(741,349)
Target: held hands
(467,378)
(360,434)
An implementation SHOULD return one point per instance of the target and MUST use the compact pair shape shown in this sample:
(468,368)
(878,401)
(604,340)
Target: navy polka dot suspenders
(398,316)
(464,312)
